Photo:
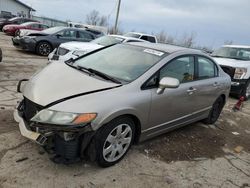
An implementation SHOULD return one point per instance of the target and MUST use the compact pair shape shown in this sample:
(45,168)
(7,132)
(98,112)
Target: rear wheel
(113,141)
(43,48)
(215,111)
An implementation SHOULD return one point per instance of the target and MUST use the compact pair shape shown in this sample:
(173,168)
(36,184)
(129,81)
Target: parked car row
(14,30)
(110,92)
(73,50)
(44,42)
(15,20)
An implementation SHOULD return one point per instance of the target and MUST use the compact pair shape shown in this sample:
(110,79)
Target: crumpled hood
(80,46)
(232,62)
(57,81)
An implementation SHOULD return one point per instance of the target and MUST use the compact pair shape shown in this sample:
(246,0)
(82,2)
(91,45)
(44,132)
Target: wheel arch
(133,116)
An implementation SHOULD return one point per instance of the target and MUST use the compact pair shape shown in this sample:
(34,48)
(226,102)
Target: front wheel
(215,111)
(43,48)
(113,141)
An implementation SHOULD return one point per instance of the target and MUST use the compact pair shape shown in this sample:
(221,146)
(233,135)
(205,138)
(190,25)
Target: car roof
(236,46)
(142,34)
(127,38)
(164,47)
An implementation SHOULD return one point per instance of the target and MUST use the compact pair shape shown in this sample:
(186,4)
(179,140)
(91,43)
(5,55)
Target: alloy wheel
(44,49)
(117,142)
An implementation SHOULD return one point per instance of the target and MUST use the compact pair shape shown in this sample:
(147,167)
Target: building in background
(11,8)
(49,21)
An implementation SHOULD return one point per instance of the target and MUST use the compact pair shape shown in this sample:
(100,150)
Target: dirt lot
(194,156)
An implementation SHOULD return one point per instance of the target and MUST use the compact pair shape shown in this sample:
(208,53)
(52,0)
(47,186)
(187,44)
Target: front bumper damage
(65,144)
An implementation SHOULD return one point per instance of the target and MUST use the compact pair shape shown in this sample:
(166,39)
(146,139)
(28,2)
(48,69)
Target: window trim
(216,68)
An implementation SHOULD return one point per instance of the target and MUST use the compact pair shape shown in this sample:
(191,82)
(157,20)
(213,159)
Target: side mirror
(167,82)
(58,35)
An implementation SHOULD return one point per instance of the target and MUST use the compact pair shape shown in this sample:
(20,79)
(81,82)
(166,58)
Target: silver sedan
(100,104)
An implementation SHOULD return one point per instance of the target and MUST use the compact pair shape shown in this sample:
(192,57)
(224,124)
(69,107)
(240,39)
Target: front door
(174,105)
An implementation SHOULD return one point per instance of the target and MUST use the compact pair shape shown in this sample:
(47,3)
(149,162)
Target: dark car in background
(44,42)
(15,20)
(14,29)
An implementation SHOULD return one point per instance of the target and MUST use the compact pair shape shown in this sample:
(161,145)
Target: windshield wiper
(98,73)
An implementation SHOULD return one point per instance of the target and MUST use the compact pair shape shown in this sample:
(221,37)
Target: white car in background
(235,61)
(73,50)
(143,36)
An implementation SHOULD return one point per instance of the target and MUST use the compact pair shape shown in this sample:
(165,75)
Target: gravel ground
(194,156)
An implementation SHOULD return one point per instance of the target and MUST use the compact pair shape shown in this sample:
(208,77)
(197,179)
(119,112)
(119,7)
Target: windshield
(52,30)
(134,35)
(107,40)
(123,62)
(234,53)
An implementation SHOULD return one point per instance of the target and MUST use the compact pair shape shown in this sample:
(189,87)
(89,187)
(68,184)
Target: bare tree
(163,37)
(188,40)
(94,18)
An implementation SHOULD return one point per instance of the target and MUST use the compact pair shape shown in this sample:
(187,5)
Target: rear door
(84,36)
(208,85)
(66,35)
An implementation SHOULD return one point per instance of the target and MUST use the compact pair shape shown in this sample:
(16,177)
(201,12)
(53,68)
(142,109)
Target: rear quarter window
(206,68)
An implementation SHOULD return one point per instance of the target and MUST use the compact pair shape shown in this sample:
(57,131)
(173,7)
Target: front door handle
(191,90)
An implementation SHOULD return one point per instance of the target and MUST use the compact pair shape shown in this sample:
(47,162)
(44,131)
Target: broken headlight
(63,118)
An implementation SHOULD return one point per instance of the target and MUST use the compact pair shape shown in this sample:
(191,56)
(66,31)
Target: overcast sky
(213,21)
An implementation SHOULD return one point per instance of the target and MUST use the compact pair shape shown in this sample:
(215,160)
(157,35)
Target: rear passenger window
(206,68)
(85,35)
(151,39)
(181,68)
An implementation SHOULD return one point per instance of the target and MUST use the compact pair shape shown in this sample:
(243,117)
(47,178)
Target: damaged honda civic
(95,107)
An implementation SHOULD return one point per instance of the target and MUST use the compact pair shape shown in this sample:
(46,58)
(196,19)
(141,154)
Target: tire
(43,48)
(113,141)
(246,90)
(215,111)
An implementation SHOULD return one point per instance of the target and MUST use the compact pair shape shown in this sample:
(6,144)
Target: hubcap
(44,49)
(117,142)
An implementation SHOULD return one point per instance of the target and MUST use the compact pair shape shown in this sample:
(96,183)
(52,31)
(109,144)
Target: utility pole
(117,15)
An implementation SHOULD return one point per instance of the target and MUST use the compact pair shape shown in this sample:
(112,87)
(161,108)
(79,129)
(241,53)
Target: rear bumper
(237,86)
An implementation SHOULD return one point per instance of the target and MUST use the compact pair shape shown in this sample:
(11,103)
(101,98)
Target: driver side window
(181,68)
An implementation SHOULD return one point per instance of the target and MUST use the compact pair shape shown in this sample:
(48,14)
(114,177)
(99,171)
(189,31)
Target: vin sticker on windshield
(154,52)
